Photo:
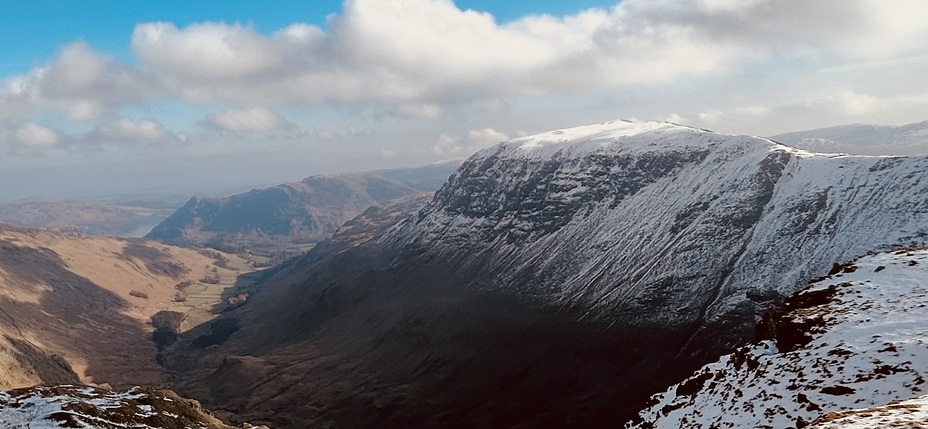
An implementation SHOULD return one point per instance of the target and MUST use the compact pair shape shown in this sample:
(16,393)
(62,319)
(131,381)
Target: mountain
(294,214)
(70,406)
(855,339)
(862,139)
(132,216)
(554,280)
(75,308)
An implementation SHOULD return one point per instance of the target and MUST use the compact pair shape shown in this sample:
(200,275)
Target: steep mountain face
(77,308)
(855,339)
(291,214)
(863,139)
(71,406)
(554,280)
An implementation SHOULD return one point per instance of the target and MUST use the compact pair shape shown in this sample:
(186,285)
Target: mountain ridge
(585,264)
(292,215)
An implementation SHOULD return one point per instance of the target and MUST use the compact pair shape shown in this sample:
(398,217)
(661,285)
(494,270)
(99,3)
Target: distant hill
(293,214)
(128,216)
(862,139)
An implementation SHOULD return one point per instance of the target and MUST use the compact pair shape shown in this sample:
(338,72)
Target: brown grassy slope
(89,300)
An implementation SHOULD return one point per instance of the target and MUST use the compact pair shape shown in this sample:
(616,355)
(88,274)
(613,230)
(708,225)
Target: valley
(80,308)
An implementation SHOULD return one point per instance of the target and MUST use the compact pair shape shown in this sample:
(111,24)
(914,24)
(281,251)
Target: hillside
(863,139)
(555,280)
(855,339)
(78,308)
(293,215)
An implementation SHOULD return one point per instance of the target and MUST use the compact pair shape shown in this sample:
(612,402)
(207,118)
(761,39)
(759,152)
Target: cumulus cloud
(248,120)
(81,83)
(430,51)
(124,130)
(34,139)
(421,59)
(473,141)
(34,136)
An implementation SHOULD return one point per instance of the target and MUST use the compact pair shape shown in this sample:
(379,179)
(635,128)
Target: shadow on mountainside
(368,346)
(75,318)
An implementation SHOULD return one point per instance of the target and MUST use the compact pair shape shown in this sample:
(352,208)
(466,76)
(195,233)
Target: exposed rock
(869,348)
(72,406)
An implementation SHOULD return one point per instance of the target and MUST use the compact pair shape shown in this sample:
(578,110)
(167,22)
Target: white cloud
(710,116)
(248,120)
(721,63)
(417,110)
(420,53)
(124,130)
(80,83)
(34,136)
(205,51)
(675,118)
(473,141)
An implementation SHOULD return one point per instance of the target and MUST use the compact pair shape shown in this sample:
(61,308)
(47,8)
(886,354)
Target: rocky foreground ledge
(850,351)
(75,406)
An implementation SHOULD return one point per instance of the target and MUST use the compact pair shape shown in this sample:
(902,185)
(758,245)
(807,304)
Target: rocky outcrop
(71,406)
(865,344)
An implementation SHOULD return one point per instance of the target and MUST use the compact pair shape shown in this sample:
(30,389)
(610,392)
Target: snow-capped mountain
(854,340)
(624,218)
(73,406)
(607,261)
(863,139)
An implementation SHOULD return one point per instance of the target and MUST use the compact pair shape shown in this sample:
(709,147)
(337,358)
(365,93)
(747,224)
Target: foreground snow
(70,406)
(867,329)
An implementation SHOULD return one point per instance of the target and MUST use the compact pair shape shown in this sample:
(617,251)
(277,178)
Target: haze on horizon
(123,97)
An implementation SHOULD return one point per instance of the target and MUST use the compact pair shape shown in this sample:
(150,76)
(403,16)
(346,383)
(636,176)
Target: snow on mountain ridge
(867,333)
(584,139)
(551,205)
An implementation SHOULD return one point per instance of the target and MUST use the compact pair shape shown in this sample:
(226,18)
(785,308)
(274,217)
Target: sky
(127,96)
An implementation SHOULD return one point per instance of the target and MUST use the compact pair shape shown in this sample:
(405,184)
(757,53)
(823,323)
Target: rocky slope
(72,406)
(78,308)
(293,214)
(853,340)
(863,139)
(555,280)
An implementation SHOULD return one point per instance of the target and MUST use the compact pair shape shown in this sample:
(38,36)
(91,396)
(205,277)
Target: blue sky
(125,96)
(33,31)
